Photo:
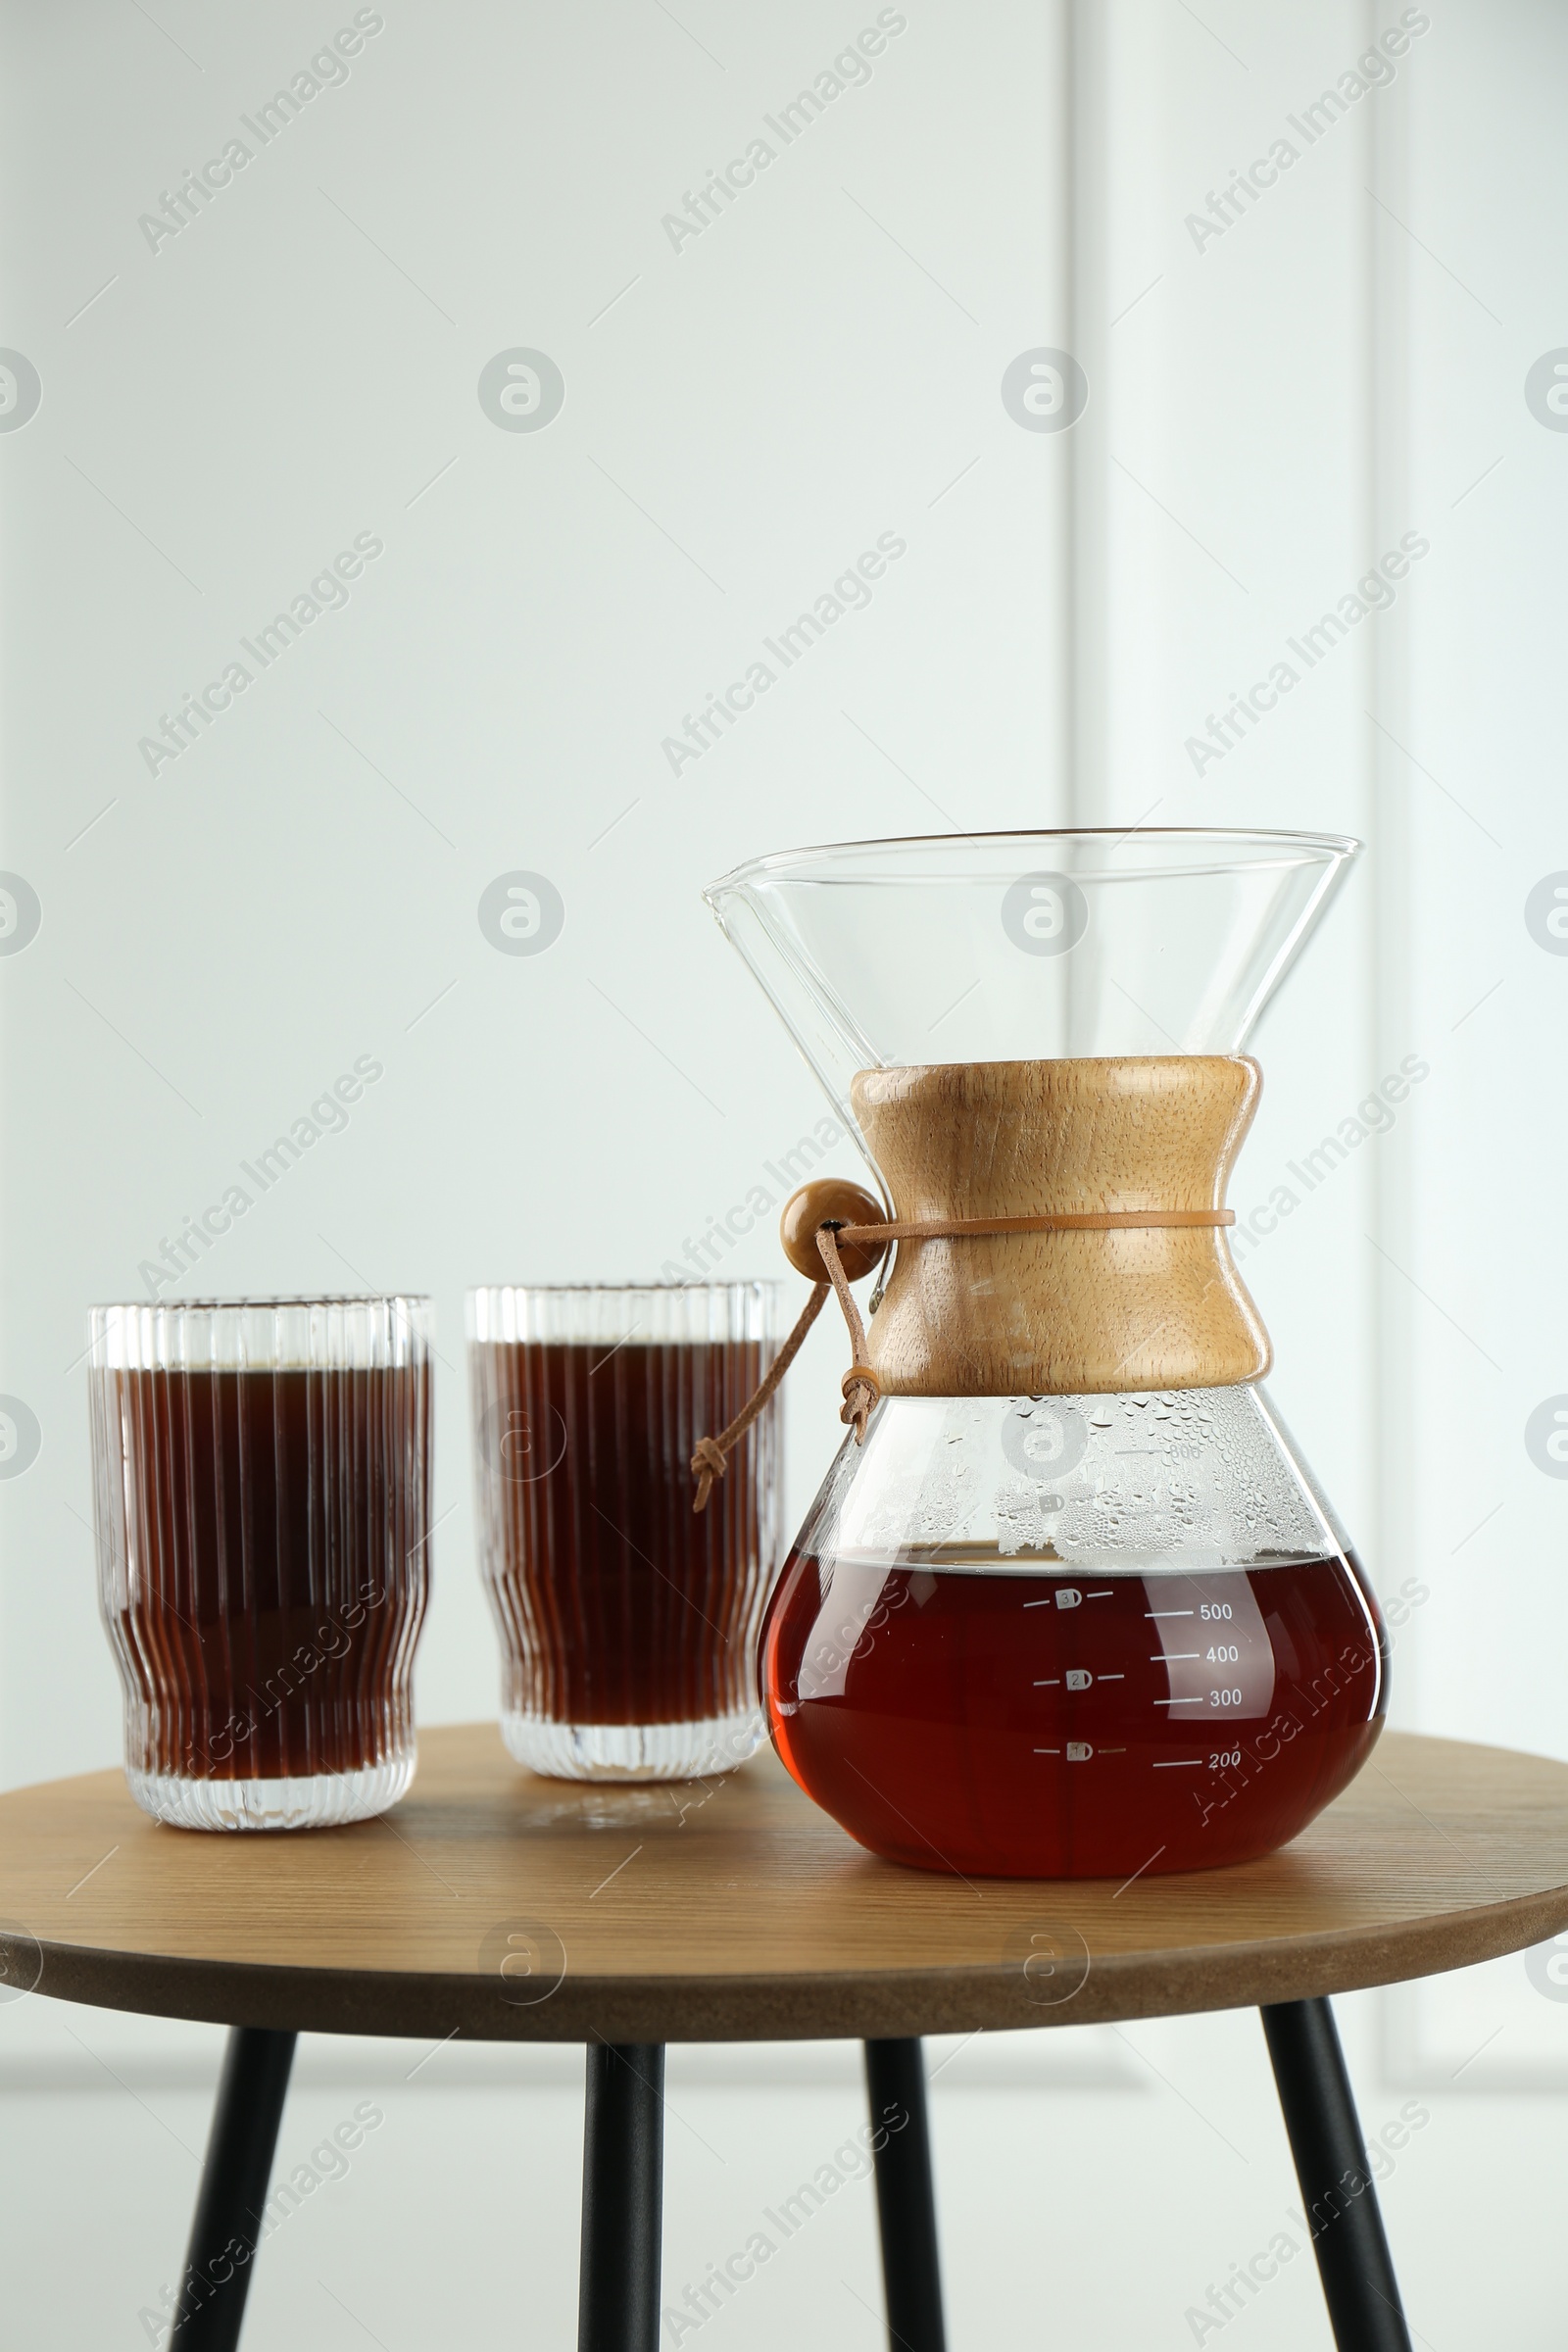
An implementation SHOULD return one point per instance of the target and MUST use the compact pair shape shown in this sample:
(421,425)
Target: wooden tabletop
(513,1908)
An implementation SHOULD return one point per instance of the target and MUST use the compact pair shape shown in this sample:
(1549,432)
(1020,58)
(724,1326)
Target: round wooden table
(505,1907)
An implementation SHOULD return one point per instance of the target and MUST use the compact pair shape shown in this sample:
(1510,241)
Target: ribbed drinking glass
(627,1621)
(262,1494)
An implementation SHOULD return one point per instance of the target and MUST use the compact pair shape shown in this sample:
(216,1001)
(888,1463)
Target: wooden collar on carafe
(840,1223)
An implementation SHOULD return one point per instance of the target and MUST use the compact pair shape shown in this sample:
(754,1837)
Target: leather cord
(861,1386)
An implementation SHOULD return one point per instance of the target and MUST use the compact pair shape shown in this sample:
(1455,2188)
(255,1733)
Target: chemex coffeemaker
(1068,1603)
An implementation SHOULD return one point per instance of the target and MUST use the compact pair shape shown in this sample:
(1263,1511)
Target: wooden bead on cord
(830,1198)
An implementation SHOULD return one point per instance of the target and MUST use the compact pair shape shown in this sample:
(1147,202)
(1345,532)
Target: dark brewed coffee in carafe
(993,1711)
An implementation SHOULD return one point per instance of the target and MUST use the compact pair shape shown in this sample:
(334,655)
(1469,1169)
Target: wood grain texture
(735,1910)
(1062,1313)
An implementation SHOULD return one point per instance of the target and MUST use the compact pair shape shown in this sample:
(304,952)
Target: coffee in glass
(261,1475)
(627,1621)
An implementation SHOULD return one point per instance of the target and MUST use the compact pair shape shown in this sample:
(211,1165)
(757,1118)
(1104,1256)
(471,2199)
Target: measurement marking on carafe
(1179,1702)
(1168,1612)
(1107,1594)
(1048,1685)
(1048,1752)
(1176,1763)
(1113,1677)
(1172,1657)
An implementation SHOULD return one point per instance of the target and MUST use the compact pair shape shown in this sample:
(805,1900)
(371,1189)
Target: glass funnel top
(1026,946)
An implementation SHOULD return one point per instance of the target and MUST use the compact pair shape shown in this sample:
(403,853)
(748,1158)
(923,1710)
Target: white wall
(1267,415)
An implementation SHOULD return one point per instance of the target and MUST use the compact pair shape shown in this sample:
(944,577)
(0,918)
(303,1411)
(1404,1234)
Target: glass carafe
(1075,1608)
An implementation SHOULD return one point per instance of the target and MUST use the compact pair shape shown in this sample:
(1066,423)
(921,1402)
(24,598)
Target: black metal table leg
(227,2226)
(622,2197)
(906,2202)
(1337,2188)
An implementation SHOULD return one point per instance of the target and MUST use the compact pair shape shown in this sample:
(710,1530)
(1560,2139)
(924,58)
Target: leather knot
(862,1390)
(707,1463)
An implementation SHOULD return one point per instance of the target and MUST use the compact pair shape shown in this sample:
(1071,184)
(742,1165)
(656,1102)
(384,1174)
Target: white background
(1267,415)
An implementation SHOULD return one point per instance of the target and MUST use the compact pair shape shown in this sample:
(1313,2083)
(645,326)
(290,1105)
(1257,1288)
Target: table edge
(863,2004)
